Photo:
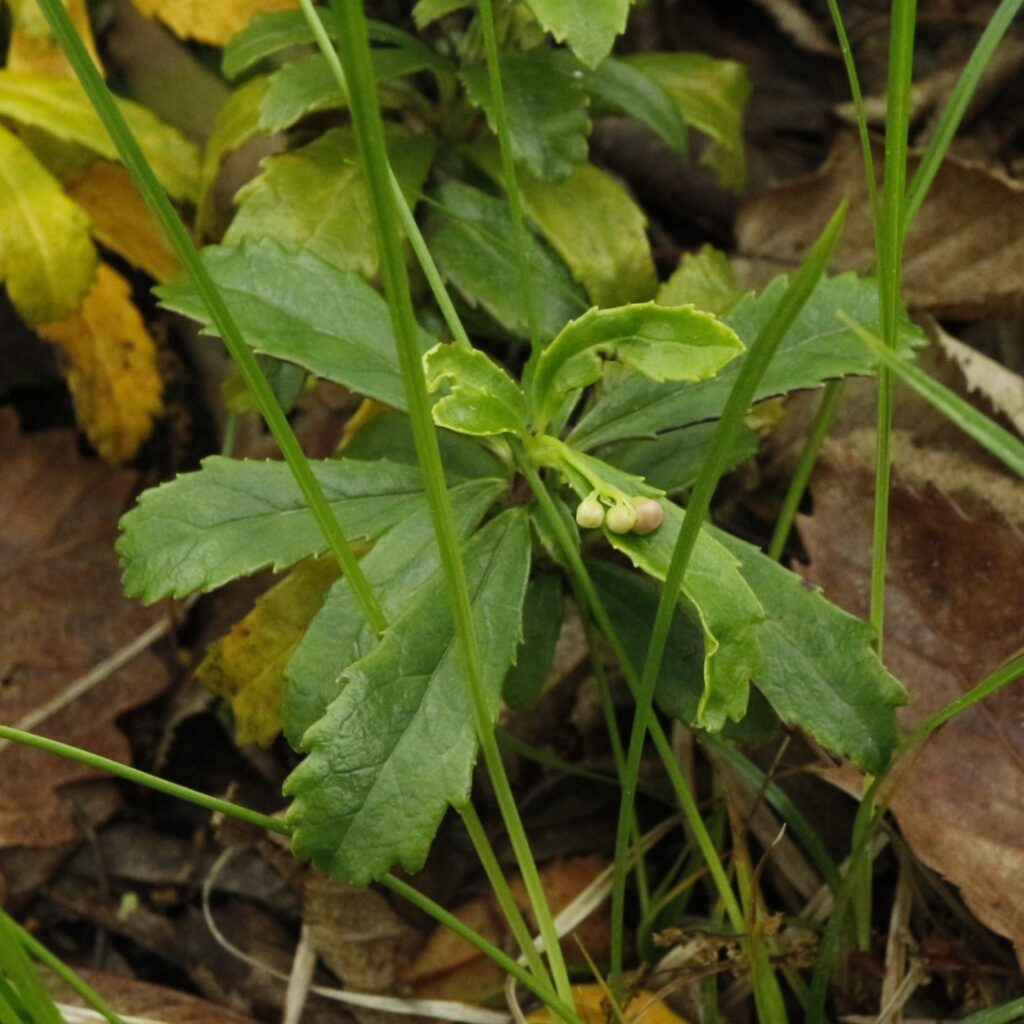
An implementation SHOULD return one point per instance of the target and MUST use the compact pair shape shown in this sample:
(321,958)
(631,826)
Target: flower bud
(649,516)
(621,518)
(590,513)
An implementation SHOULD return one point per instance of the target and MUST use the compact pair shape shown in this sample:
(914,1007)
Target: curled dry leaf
(61,612)
(953,616)
(965,252)
(110,364)
(213,23)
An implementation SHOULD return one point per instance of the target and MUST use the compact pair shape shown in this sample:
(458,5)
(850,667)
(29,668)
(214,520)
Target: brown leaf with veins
(955,613)
(965,252)
(61,612)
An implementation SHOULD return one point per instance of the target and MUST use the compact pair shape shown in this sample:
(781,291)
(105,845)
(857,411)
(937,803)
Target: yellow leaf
(110,364)
(246,667)
(46,255)
(32,46)
(643,1008)
(121,220)
(61,108)
(210,21)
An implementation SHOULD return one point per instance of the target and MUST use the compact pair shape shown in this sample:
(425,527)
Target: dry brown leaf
(32,46)
(965,252)
(133,998)
(954,614)
(61,612)
(213,23)
(803,29)
(448,967)
(121,221)
(110,364)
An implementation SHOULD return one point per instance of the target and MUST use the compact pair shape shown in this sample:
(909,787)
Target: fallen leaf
(213,23)
(965,251)
(121,221)
(448,967)
(61,612)
(47,259)
(800,26)
(110,364)
(247,666)
(954,587)
(32,46)
(642,1007)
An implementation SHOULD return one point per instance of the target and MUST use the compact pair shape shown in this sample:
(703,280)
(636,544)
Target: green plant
(618,407)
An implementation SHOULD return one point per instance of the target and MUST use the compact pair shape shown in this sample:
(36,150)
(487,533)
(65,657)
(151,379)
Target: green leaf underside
(396,748)
(728,610)
(632,602)
(542,623)
(672,460)
(389,436)
(547,111)
(294,306)
(818,668)
(592,222)
(589,27)
(472,238)
(677,344)
(60,107)
(711,95)
(234,517)
(47,259)
(400,562)
(316,198)
(818,347)
(615,87)
(478,396)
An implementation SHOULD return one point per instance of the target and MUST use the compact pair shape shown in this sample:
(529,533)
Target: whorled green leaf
(60,107)
(542,624)
(818,667)
(672,460)
(662,343)
(589,27)
(728,610)
(704,278)
(307,85)
(237,120)
(478,396)
(47,258)
(234,517)
(404,558)
(294,306)
(594,224)
(472,239)
(396,748)
(547,111)
(711,96)
(818,347)
(316,198)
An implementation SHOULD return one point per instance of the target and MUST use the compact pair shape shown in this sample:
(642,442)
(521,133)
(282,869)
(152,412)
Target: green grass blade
(956,107)
(22,978)
(992,437)
(1008,1013)
(156,198)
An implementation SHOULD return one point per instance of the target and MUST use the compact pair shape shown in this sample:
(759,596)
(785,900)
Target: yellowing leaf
(247,666)
(46,256)
(60,107)
(110,364)
(121,220)
(210,21)
(643,1008)
(32,46)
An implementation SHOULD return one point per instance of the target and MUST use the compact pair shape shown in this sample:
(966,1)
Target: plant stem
(754,365)
(503,893)
(130,774)
(827,409)
(353,49)
(156,198)
(508,168)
